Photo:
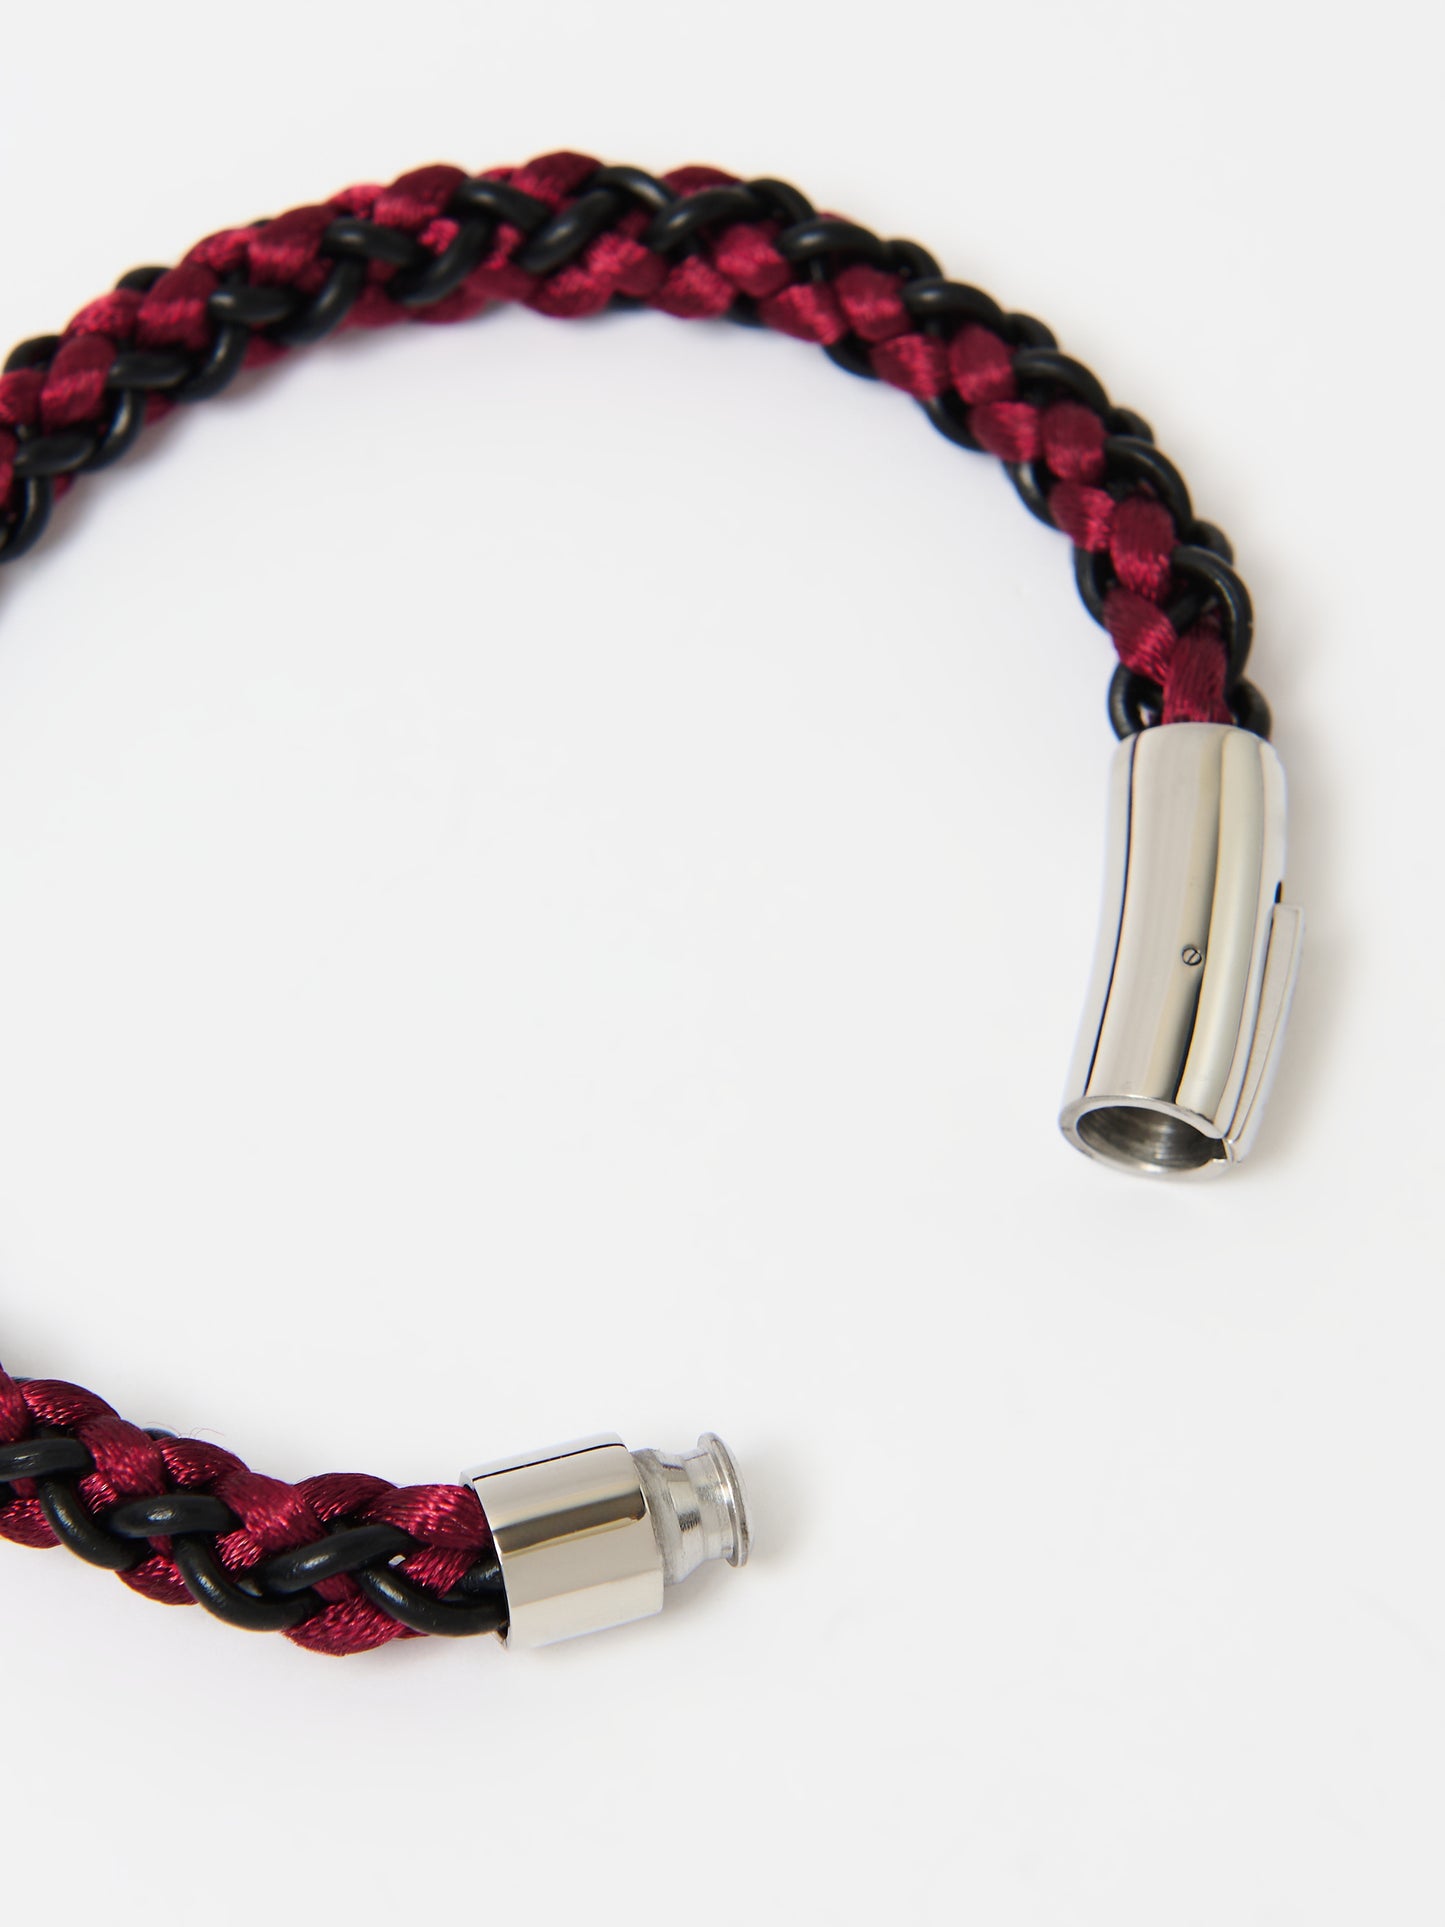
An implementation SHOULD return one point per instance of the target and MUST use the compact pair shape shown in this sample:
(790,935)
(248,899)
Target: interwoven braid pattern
(239,1533)
(570,238)
(342,1562)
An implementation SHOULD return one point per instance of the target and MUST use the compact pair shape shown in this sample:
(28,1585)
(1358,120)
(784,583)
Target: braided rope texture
(569,238)
(341,1562)
(312,1560)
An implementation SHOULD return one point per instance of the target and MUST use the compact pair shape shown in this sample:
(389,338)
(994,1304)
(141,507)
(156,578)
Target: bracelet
(1197,951)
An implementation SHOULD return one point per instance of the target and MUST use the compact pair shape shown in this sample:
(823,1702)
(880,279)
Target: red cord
(1065,436)
(446,1520)
(1137,531)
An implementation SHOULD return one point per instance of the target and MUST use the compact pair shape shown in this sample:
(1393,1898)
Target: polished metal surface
(588,1535)
(1196,956)
(697,1505)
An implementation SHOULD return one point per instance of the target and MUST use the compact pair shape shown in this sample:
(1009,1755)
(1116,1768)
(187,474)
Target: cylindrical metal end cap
(734,1496)
(1196,957)
(588,1535)
(698,1505)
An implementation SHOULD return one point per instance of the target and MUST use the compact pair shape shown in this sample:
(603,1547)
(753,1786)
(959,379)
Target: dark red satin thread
(1066,437)
(1137,531)
(445,1520)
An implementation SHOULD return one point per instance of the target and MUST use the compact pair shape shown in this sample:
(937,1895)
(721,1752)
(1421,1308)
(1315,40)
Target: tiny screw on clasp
(1196,958)
(589,1535)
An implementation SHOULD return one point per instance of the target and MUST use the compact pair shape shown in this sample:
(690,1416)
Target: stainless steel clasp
(589,1535)
(1196,956)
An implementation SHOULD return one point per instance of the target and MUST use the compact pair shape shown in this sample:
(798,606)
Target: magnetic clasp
(1196,956)
(589,1535)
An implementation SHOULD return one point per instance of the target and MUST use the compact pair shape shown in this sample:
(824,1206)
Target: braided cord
(343,1562)
(570,238)
(181,1520)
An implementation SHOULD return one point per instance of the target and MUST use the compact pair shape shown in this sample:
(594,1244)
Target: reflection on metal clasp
(1196,958)
(588,1535)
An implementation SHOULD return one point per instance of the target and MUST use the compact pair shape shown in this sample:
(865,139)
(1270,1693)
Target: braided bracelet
(1196,954)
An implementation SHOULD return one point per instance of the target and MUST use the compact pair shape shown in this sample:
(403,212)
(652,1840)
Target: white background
(546,878)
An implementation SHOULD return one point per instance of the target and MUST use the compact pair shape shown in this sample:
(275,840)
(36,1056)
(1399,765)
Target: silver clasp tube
(1196,957)
(589,1535)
